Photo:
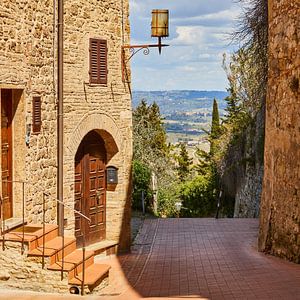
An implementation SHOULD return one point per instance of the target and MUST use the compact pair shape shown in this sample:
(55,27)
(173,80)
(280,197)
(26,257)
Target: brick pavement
(203,258)
(197,258)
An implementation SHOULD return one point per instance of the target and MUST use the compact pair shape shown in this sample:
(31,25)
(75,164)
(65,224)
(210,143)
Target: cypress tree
(215,127)
(184,162)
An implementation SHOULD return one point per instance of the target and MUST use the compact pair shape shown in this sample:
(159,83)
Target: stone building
(97,127)
(280,205)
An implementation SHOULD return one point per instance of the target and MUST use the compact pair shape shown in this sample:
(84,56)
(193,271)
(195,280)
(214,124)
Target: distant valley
(187,113)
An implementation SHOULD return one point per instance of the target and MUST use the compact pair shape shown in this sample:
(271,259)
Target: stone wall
(18,271)
(28,66)
(248,191)
(106,108)
(280,207)
(243,172)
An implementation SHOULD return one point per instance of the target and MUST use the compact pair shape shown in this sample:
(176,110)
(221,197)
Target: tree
(151,150)
(215,128)
(150,140)
(215,123)
(141,183)
(184,162)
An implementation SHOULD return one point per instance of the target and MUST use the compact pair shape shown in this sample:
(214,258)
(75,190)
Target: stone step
(105,247)
(33,234)
(72,260)
(92,276)
(54,247)
(11,223)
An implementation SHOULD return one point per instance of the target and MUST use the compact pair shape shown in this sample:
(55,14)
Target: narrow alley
(194,258)
(202,258)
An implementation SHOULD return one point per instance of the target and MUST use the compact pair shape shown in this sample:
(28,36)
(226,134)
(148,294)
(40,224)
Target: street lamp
(160,25)
(159,29)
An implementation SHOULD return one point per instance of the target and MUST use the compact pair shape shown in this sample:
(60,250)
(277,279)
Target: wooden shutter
(36,114)
(98,61)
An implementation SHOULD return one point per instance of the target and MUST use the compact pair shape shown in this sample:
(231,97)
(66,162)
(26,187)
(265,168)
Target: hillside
(186,112)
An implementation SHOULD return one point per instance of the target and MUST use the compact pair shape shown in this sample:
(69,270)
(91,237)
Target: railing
(85,218)
(3,227)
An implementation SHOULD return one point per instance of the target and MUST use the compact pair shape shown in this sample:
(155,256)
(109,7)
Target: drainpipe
(60,125)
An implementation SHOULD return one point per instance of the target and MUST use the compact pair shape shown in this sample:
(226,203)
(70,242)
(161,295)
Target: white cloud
(187,69)
(204,55)
(199,35)
(188,35)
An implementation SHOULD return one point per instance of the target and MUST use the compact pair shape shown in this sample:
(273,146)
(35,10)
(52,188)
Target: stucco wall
(280,206)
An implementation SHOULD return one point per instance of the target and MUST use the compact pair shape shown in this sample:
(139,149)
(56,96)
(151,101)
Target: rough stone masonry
(28,67)
(280,205)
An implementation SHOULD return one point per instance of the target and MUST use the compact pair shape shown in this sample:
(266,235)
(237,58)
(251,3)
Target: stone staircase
(49,247)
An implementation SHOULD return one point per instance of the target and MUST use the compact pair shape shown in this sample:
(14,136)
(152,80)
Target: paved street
(202,258)
(196,258)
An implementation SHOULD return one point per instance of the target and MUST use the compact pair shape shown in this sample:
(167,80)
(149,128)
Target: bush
(198,197)
(141,182)
(167,197)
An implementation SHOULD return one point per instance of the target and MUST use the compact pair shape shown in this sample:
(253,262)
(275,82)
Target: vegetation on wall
(240,145)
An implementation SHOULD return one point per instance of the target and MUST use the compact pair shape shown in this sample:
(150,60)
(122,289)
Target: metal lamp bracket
(134,49)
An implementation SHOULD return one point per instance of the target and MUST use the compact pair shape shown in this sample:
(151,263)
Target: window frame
(98,61)
(36,114)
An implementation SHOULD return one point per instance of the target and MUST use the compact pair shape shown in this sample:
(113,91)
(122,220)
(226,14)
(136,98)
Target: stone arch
(101,123)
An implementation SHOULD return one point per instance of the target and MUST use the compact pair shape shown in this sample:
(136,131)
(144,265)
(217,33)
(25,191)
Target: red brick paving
(204,258)
(198,259)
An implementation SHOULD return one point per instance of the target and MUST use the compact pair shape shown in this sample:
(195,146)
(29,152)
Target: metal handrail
(44,229)
(23,213)
(63,235)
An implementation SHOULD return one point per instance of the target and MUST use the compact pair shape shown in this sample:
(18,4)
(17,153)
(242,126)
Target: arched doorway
(90,189)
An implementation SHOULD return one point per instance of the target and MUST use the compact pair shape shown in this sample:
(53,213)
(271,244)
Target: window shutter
(103,61)
(36,114)
(98,61)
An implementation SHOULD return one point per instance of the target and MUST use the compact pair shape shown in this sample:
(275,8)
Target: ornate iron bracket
(134,49)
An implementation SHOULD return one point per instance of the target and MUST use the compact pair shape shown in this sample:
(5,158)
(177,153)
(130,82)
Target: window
(36,114)
(98,61)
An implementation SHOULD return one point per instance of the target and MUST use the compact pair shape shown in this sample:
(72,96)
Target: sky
(199,35)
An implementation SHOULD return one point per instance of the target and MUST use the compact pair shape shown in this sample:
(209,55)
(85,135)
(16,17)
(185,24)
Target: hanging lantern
(159,29)
(160,23)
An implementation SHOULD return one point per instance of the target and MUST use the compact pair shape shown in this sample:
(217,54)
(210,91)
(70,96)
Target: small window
(98,61)
(36,114)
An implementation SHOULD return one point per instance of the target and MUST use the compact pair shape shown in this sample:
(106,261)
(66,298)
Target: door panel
(90,189)
(78,199)
(6,147)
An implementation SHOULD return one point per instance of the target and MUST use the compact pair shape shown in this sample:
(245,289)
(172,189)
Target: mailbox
(111,175)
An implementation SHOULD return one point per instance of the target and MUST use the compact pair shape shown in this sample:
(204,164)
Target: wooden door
(90,190)
(6,147)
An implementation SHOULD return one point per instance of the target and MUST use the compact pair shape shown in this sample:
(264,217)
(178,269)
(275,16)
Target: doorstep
(107,247)
(12,223)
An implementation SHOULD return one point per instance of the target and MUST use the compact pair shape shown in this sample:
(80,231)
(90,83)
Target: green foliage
(151,150)
(141,183)
(215,129)
(233,106)
(215,123)
(198,197)
(150,140)
(184,162)
(167,197)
